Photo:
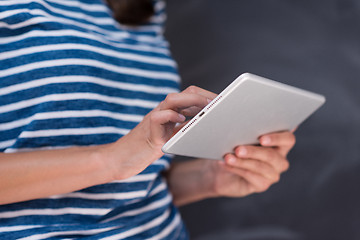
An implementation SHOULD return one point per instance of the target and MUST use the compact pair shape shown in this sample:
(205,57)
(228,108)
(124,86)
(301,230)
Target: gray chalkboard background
(312,44)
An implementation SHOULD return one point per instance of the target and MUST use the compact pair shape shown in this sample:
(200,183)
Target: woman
(86,105)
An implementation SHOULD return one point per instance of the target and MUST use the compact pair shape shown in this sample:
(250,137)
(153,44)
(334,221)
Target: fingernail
(242,151)
(265,141)
(231,160)
(208,100)
(182,117)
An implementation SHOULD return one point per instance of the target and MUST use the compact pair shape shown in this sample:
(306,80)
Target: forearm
(190,181)
(25,176)
(32,175)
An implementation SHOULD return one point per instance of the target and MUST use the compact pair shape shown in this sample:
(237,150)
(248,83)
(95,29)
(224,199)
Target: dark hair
(131,12)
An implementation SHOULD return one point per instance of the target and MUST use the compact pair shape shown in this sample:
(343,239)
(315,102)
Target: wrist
(190,181)
(129,155)
(208,176)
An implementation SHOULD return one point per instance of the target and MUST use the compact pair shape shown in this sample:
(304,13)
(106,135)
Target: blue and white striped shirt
(70,75)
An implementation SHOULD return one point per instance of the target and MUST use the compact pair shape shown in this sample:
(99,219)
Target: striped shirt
(70,75)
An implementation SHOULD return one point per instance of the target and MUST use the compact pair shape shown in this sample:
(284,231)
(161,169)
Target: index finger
(177,101)
(200,91)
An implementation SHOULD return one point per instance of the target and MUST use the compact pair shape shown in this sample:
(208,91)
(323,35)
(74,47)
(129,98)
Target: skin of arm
(32,175)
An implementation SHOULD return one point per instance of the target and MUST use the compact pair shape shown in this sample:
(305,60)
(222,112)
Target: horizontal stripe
(151,206)
(70,114)
(86,79)
(73,131)
(159,6)
(7,143)
(158,19)
(71,14)
(162,162)
(81,5)
(75,33)
(166,231)
(18,228)
(91,63)
(36,19)
(97,20)
(72,46)
(77,96)
(52,212)
(93,7)
(27,23)
(146,30)
(60,233)
(115,34)
(161,187)
(102,196)
(88,7)
(138,178)
(155,222)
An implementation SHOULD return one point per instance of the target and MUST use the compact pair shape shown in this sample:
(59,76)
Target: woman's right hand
(158,126)
(38,174)
(174,109)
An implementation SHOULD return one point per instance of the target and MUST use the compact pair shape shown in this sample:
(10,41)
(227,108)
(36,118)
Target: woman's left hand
(251,169)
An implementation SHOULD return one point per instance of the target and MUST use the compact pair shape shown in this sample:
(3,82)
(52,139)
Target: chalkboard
(310,44)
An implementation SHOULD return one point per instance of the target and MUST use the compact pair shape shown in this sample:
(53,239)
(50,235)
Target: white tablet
(249,107)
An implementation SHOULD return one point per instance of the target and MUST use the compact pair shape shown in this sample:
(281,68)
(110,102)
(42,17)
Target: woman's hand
(38,174)
(157,127)
(249,170)
(252,169)
(174,109)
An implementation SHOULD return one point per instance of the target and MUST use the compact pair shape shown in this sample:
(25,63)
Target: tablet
(249,107)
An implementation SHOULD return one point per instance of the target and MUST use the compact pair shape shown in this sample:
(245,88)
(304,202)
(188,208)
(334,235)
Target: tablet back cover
(250,107)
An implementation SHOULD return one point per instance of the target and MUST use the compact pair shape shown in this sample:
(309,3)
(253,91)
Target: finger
(257,182)
(278,139)
(264,154)
(177,101)
(200,91)
(168,119)
(166,116)
(191,111)
(256,166)
(284,141)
